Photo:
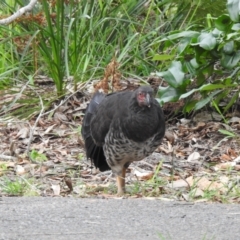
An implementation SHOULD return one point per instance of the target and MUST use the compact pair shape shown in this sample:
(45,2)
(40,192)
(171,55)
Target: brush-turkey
(120,128)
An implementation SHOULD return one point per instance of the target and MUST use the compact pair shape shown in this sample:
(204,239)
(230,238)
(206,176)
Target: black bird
(120,128)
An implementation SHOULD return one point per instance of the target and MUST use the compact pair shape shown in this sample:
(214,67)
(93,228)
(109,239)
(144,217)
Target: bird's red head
(144,96)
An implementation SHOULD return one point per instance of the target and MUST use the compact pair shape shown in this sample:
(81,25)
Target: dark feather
(117,129)
(94,152)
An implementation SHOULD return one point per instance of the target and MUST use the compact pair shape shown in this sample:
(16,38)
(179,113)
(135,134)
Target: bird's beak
(148,100)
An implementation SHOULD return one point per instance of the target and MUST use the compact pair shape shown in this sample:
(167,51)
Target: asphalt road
(115,219)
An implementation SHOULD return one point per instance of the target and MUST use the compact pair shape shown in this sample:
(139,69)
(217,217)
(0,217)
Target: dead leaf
(170,137)
(193,156)
(49,129)
(204,184)
(198,192)
(232,153)
(226,157)
(226,165)
(182,183)
(23,133)
(59,117)
(237,167)
(224,179)
(56,189)
(143,175)
(68,182)
(200,126)
(20,170)
(205,116)
(178,184)
(234,120)
(111,78)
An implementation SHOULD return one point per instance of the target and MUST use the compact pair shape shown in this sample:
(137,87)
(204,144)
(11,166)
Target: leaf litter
(198,159)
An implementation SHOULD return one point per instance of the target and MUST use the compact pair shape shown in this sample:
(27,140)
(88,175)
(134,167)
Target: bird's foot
(120,193)
(121,183)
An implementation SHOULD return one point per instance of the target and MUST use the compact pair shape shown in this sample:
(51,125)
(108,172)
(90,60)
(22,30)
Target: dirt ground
(198,159)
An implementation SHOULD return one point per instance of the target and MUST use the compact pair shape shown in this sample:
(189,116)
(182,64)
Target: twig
(104,173)
(61,103)
(108,177)
(146,163)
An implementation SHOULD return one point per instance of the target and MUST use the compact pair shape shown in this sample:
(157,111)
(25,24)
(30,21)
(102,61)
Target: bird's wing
(160,129)
(90,112)
(110,110)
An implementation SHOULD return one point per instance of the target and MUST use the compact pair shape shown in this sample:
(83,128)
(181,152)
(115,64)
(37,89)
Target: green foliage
(16,187)
(206,62)
(62,38)
(3,167)
(180,14)
(37,157)
(227,133)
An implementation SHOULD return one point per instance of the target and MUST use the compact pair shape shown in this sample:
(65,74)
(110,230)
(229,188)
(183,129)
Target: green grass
(13,188)
(80,40)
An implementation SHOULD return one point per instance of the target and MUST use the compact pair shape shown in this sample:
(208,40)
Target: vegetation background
(191,45)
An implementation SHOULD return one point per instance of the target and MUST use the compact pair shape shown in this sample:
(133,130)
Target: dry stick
(108,177)
(5,157)
(172,170)
(33,128)
(19,13)
(35,125)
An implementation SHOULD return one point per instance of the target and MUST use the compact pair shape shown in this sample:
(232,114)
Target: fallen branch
(5,157)
(19,13)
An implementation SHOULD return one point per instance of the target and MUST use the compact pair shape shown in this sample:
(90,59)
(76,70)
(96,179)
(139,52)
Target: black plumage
(120,128)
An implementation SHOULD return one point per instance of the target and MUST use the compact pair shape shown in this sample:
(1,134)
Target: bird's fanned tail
(94,152)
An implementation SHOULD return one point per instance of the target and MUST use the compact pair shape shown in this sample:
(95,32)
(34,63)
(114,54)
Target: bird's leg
(121,183)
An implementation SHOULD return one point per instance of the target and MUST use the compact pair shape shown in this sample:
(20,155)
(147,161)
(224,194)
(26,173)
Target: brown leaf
(59,117)
(204,184)
(49,129)
(226,157)
(143,175)
(112,78)
(237,167)
(23,133)
(68,182)
(225,165)
(170,137)
(232,153)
